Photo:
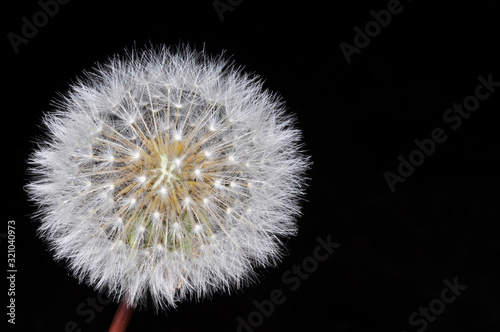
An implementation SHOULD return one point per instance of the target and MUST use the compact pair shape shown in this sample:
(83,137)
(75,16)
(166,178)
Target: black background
(396,247)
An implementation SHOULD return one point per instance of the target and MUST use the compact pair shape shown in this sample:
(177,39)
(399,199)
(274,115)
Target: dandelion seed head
(154,194)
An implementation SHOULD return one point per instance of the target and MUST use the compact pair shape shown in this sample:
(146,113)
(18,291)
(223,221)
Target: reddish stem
(122,317)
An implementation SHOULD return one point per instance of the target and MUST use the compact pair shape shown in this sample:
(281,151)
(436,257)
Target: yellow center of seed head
(170,175)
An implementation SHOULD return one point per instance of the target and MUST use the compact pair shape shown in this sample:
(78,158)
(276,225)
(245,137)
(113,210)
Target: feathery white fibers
(170,173)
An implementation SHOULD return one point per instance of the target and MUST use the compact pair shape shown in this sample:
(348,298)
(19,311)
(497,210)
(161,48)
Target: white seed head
(144,178)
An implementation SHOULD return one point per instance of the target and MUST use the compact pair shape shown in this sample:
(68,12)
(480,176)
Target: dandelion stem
(122,317)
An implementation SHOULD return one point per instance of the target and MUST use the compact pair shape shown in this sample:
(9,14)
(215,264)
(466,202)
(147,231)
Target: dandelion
(167,175)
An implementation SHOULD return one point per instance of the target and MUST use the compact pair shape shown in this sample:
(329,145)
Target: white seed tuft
(143,180)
